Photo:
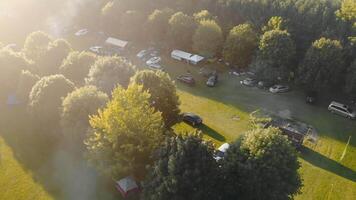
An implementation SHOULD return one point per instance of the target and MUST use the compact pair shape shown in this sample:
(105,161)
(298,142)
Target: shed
(121,44)
(127,186)
(188,57)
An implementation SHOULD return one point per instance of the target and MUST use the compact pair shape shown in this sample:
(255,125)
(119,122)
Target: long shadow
(211,132)
(327,164)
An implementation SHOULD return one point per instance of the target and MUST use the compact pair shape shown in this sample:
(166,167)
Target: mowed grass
(17,183)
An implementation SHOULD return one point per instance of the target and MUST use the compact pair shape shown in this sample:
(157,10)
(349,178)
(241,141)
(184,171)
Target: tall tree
(203,15)
(323,64)
(208,38)
(108,72)
(261,165)
(163,92)
(24,86)
(240,45)
(181,32)
(36,45)
(126,133)
(185,169)
(157,25)
(131,25)
(350,86)
(275,23)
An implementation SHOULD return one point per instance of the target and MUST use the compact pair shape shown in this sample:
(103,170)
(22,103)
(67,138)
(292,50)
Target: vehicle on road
(153,60)
(279,89)
(155,66)
(212,80)
(141,54)
(311,97)
(341,109)
(192,119)
(188,79)
(248,82)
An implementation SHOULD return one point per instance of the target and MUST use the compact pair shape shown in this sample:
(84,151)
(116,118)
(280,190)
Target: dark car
(188,79)
(212,80)
(311,97)
(192,119)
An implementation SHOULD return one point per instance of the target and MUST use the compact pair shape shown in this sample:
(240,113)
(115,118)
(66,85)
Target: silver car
(341,109)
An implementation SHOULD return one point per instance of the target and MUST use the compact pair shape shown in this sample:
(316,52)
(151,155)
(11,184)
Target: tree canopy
(125,134)
(208,38)
(25,83)
(157,25)
(181,30)
(36,45)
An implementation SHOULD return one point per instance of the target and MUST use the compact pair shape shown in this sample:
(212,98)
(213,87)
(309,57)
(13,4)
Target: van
(341,109)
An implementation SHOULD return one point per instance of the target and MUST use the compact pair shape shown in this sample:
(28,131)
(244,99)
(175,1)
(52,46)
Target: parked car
(220,152)
(248,82)
(192,119)
(264,84)
(311,97)
(279,88)
(141,54)
(96,49)
(155,66)
(212,80)
(341,109)
(188,79)
(82,32)
(153,60)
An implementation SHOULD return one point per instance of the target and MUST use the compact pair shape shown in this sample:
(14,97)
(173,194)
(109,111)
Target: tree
(185,169)
(157,25)
(126,133)
(163,92)
(77,65)
(347,11)
(181,30)
(77,106)
(323,65)
(108,72)
(11,65)
(26,81)
(53,57)
(203,15)
(46,99)
(36,45)
(276,55)
(132,21)
(208,38)
(240,45)
(275,23)
(350,86)
(261,165)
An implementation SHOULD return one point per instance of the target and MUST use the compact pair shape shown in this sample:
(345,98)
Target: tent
(188,57)
(127,186)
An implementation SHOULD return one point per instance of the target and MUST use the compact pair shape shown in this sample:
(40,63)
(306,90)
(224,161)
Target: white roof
(116,42)
(196,58)
(224,147)
(187,56)
(127,184)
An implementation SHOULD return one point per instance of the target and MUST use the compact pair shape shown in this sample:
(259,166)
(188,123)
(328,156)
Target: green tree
(208,38)
(77,65)
(240,45)
(77,106)
(203,15)
(108,72)
(261,165)
(347,11)
(163,92)
(46,99)
(157,25)
(181,30)
(185,169)
(126,133)
(24,86)
(131,23)
(36,45)
(276,56)
(275,23)
(350,86)
(323,65)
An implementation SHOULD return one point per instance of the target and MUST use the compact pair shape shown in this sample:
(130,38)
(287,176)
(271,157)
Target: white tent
(188,57)
(116,42)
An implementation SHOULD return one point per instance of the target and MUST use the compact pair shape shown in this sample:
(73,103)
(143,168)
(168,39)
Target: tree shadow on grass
(211,132)
(327,164)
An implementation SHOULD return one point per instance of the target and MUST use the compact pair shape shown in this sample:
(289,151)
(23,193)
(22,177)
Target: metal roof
(116,42)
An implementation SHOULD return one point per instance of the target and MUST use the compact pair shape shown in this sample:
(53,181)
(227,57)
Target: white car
(279,88)
(96,49)
(220,153)
(141,54)
(249,82)
(82,32)
(153,60)
(341,109)
(155,66)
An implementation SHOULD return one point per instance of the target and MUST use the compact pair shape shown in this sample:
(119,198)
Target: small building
(187,57)
(127,186)
(116,43)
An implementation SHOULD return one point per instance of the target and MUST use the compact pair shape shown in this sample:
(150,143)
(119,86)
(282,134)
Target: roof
(187,56)
(224,147)
(116,42)
(127,184)
(197,58)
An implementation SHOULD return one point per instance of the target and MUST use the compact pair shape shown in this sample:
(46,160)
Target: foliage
(240,45)
(108,72)
(185,169)
(323,64)
(262,165)
(157,25)
(275,56)
(46,99)
(347,11)
(126,133)
(203,15)
(350,86)
(77,106)
(36,45)
(275,23)
(24,86)
(77,65)
(132,21)
(181,30)
(163,93)
(208,38)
